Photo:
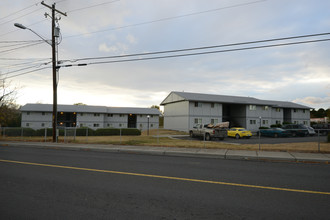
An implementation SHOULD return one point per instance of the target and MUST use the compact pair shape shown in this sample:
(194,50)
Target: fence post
(318,138)
(87,134)
(45,135)
(120,134)
(65,135)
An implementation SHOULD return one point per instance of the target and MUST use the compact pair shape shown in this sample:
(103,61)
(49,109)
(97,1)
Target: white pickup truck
(209,131)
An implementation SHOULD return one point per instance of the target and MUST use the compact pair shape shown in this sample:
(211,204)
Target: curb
(187,152)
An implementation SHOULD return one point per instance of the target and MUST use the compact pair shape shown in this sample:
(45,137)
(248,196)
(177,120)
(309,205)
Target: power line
(16,12)
(21,16)
(17,48)
(200,48)
(24,73)
(92,6)
(168,18)
(198,53)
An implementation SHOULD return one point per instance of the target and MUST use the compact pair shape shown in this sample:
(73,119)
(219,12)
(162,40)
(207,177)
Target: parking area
(267,140)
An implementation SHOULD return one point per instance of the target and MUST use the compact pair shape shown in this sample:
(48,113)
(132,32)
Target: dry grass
(164,141)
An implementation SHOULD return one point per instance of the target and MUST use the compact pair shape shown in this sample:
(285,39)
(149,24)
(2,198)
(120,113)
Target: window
(141,125)
(110,115)
(43,113)
(294,110)
(96,114)
(253,122)
(42,124)
(96,125)
(305,123)
(120,115)
(214,121)
(198,121)
(252,107)
(304,111)
(212,105)
(265,122)
(265,107)
(278,110)
(151,125)
(295,122)
(198,104)
(81,114)
(278,122)
(27,124)
(119,125)
(28,113)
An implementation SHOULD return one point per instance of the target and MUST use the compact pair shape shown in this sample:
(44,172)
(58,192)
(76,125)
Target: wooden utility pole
(54,63)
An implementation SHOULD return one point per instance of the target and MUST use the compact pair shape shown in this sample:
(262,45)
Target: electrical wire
(17,48)
(16,12)
(92,6)
(166,19)
(199,53)
(200,48)
(24,73)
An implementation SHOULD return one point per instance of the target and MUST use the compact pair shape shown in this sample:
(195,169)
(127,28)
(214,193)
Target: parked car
(311,131)
(209,131)
(239,133)
(322,128)
(275,132)
(296,129)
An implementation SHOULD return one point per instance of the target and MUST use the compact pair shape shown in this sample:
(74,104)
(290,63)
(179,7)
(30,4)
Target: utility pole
(54,118)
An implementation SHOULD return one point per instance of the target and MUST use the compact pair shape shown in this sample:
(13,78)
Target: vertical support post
(54,75)
(120,134)
(86,134)
(318,139)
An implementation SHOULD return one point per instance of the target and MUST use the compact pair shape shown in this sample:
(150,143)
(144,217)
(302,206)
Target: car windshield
(242,129)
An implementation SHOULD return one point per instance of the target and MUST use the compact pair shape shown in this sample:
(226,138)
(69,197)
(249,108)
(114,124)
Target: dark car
(296,129)
(322,129)
(275,132)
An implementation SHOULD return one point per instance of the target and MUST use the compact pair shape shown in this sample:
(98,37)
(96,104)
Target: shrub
(130,131)
(14,132)
(116,131)
(107,132)
(276,126)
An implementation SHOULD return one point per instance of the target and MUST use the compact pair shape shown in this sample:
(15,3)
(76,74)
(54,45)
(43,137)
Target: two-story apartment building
(182,110)
(38,116)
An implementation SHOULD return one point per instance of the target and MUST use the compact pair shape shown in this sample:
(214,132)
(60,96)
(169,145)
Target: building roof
(88,109)
(199,97)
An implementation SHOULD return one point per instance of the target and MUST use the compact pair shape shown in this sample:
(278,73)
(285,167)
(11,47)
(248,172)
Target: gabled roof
(88,109)
(199,97)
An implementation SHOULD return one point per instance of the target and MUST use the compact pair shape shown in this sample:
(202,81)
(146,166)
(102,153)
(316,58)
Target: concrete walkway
(184,152)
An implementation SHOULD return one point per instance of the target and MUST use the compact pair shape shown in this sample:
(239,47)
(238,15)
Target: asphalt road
(63,184)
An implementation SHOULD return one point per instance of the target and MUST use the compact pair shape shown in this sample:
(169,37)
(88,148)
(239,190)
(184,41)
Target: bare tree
(8,107)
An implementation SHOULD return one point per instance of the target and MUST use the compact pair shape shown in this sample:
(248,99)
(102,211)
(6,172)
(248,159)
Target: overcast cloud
(298,73)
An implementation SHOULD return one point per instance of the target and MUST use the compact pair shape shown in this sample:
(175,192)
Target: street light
(23,27)
(55,32)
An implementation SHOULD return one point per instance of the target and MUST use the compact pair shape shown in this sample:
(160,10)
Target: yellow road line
(168,177)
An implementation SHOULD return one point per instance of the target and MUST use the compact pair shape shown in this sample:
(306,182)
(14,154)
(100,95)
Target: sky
(298,73)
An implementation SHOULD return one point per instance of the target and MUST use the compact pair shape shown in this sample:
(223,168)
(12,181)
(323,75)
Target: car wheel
(237,136)
(275,135)
(207,137)
(191,134)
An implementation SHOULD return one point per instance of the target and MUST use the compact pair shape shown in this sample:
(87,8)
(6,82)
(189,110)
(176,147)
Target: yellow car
(239,133)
